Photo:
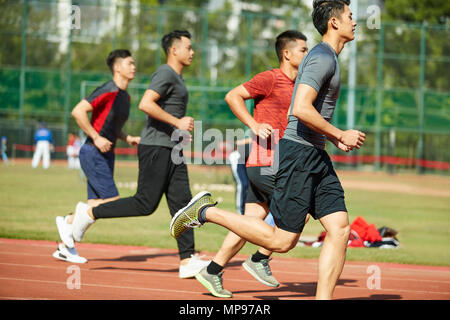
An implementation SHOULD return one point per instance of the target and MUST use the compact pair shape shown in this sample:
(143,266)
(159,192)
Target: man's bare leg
(256,265)
(233,243)
(254,230)
(332,256)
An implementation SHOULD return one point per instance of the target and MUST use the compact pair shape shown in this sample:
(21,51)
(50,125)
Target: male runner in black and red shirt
(110,107)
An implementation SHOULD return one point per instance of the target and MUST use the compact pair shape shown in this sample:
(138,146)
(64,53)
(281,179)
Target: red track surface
(28,271)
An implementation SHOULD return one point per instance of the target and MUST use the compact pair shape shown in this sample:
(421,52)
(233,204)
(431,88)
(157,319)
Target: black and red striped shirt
(111,110)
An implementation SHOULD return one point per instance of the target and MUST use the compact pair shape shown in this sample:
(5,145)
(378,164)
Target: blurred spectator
(4,146)
(43,139)
(72,151)
(238,159)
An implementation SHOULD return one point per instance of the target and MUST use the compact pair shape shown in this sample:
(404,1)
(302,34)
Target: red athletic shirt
(111,110)
(272,93)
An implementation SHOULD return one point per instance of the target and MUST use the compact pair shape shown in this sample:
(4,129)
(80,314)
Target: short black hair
(323,10)
(169,38)
(116,54)
(284,38)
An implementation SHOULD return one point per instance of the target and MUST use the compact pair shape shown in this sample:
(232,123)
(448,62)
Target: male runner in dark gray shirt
(305,181)
(173,100)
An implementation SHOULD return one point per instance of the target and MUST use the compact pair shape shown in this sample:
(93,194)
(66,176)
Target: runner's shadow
(235,263)
(295,290)
(137,258)
(136,269)
(378,297)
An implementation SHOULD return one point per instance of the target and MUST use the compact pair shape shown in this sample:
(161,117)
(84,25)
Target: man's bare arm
(304,110)
(149,106)
(236,100)
(80,114)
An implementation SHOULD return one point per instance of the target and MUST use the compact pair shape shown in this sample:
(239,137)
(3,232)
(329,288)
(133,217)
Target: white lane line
(115,287)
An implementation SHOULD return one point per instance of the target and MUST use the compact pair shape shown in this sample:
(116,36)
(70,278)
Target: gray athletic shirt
(320,70)
(174,99)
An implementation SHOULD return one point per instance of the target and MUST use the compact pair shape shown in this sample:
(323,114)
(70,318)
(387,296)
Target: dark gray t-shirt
(174,99)
(320,70)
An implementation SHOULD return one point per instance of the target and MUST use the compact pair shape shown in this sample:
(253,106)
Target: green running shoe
(187,217)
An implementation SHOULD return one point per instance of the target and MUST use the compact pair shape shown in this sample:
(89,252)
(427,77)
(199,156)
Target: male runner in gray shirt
(173,100)
(320,71)
(305,181)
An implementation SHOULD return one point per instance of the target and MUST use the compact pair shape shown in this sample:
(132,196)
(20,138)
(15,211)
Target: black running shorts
(260,188)
(306,182)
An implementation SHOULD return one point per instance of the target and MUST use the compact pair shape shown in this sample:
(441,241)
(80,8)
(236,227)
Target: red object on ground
(365,231)
(361,231)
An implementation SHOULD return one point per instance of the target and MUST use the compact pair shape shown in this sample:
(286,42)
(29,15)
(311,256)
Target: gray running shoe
(260,271)
(213,282)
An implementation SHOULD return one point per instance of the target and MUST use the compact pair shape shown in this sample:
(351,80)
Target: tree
(431,11)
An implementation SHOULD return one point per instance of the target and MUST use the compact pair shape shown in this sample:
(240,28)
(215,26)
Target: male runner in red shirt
(272,93)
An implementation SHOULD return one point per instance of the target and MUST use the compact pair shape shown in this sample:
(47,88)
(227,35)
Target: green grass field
(416,206)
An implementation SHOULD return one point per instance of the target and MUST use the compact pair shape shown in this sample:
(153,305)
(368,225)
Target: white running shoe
(81,221)
(68,254)
(65,231)
(194,266)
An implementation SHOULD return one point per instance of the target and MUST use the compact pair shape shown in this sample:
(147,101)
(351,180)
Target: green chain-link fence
(401,93)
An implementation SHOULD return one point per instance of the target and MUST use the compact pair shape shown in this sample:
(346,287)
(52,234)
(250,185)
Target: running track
(28,271)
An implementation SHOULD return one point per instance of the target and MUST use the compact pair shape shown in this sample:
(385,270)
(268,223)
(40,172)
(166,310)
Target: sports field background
(416,206)
(399,95)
